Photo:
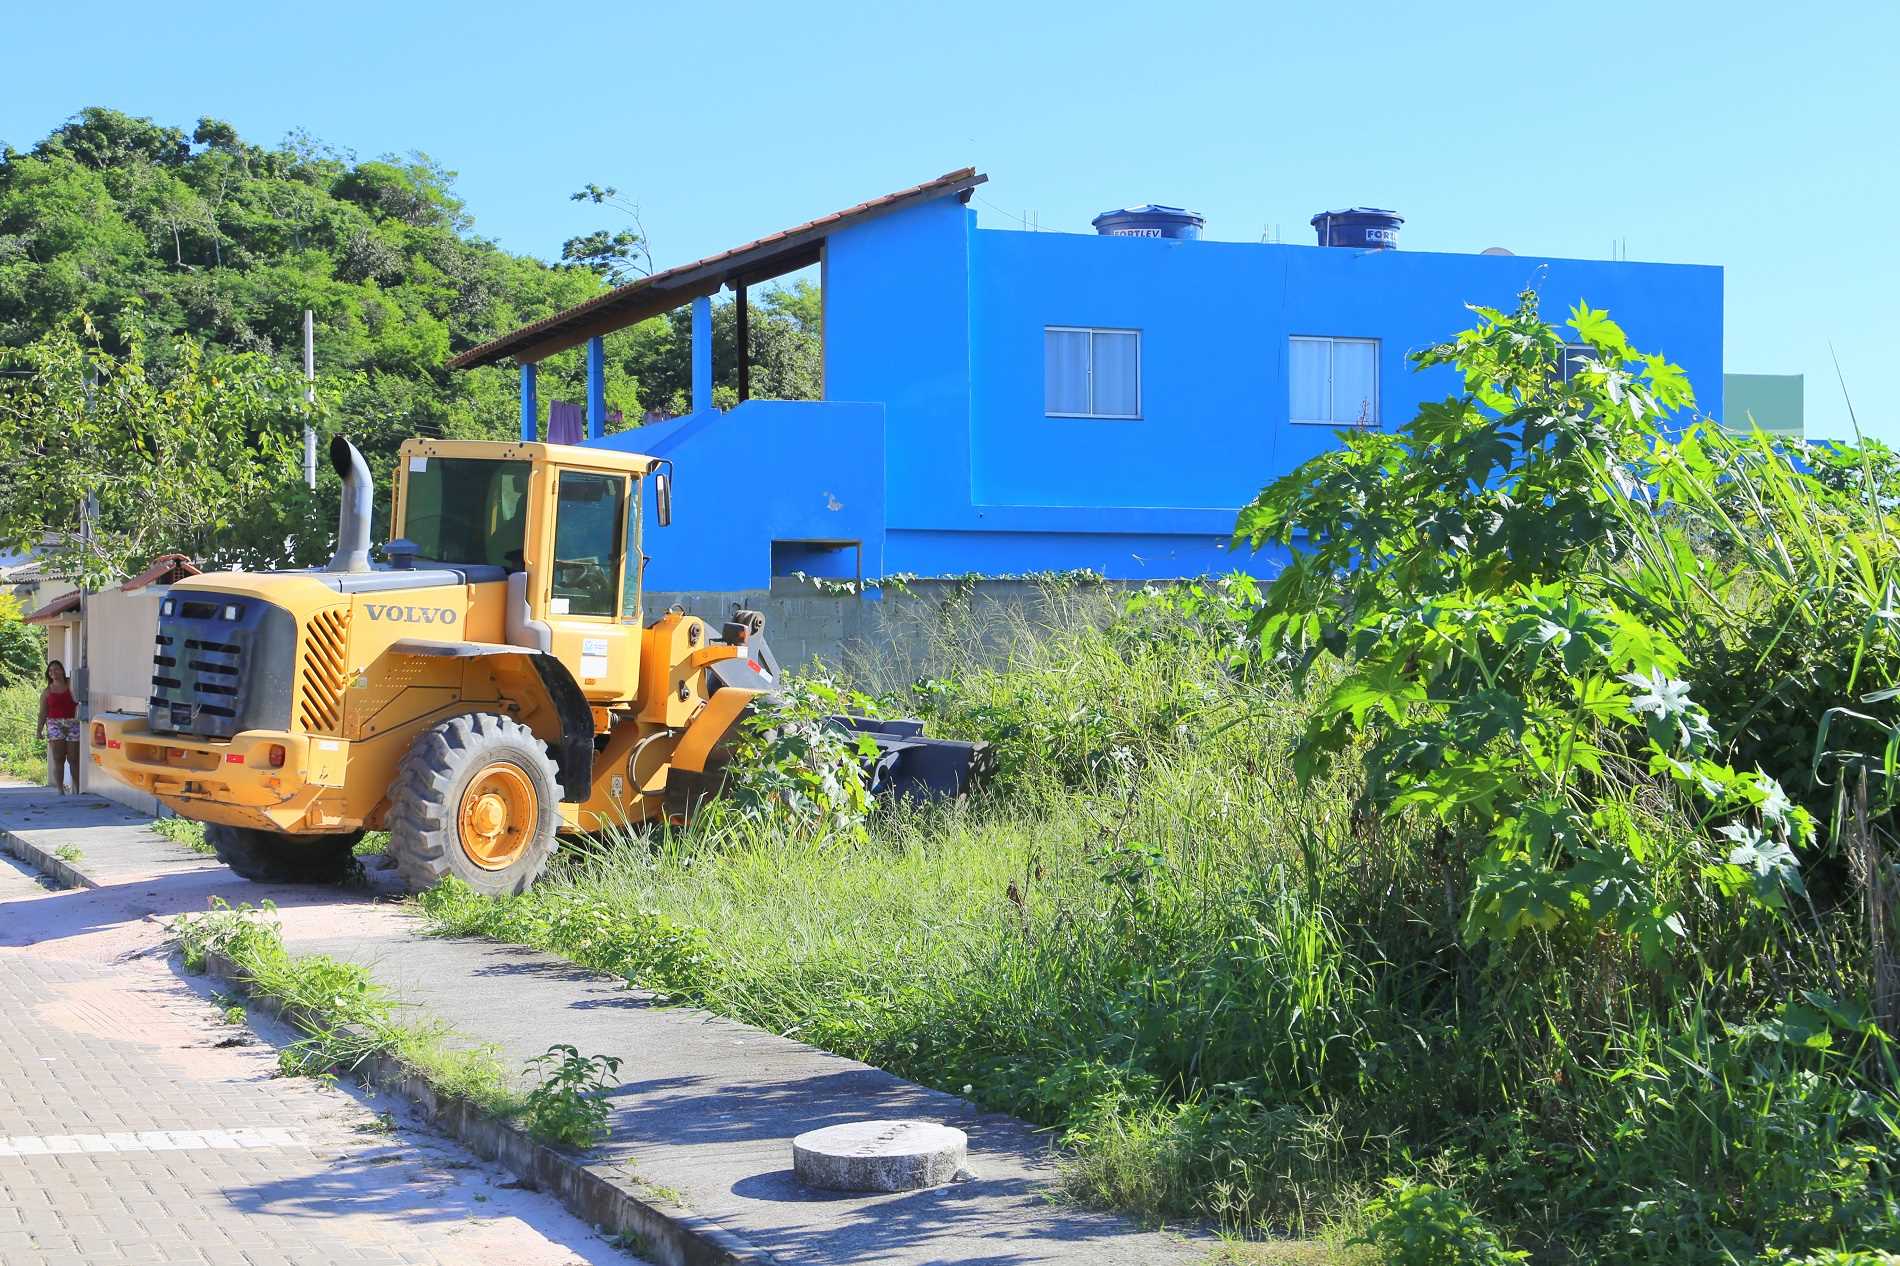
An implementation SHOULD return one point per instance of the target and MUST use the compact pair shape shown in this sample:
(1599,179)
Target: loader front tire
(269,857)
(476,797)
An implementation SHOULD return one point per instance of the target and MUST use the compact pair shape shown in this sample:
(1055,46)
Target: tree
(101,138)
(199,244)
(786,350)
(110,462)
(22,647)
(616,256)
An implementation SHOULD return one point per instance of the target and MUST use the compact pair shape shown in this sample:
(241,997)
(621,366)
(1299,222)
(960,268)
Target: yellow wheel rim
(498,816)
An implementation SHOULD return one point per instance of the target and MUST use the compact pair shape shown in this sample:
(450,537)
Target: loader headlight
(166,609)
(231,612)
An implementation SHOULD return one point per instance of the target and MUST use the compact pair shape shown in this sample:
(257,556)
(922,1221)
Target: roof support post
(596,388)
(530,407)
(702,354)
(742,330)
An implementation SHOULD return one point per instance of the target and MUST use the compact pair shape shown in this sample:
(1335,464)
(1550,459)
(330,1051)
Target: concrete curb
(605,1196)
(46,863)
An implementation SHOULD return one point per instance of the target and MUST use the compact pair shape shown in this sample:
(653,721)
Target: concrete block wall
(892,637)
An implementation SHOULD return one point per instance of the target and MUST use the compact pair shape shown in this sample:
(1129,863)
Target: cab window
(466,510)
(588,527)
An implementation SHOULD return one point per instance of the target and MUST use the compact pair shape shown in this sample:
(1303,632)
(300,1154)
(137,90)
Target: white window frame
(1088,373)
(1378,387)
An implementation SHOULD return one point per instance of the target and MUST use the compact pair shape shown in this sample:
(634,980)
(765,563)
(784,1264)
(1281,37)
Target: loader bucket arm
(698,770)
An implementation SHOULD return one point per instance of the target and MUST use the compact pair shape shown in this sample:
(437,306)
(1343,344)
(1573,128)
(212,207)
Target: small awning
(767,257)
(65,604)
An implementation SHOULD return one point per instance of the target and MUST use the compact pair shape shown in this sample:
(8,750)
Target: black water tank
(1361,228)
(1150,221)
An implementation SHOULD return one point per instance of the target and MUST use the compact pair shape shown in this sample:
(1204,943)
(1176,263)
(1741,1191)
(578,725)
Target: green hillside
(162,235)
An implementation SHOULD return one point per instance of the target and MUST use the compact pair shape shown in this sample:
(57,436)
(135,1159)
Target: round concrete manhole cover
(879,1156)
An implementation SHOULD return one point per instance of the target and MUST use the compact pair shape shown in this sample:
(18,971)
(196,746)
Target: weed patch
(344,1015)
(567,1108)
(184,831)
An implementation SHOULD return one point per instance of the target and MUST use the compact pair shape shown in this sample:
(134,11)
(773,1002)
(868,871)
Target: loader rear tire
(270,857)
(476,797)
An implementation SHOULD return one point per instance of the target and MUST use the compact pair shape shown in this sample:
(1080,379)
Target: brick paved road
(136,1127)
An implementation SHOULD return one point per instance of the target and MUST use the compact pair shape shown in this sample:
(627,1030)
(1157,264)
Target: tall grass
(22,755)
(1235,999)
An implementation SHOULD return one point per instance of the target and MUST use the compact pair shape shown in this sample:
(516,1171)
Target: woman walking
(59,725)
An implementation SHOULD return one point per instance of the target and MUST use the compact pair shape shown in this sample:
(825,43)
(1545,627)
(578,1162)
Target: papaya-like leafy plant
(1463,572)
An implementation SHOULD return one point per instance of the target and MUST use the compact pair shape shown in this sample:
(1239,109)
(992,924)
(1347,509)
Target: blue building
(1006,402)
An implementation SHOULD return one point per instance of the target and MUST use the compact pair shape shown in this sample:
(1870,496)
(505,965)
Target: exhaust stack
(352,524)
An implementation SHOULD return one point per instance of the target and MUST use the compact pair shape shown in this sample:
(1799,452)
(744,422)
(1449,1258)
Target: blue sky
(1758,137)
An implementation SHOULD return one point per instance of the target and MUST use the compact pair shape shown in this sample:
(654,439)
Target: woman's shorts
(63,729)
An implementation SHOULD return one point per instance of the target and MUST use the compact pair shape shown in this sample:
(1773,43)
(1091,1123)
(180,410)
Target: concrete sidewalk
(706,1108)
(139,1125)
(87,841)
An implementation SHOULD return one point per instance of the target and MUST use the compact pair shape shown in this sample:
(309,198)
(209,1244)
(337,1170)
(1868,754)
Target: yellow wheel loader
(492,684)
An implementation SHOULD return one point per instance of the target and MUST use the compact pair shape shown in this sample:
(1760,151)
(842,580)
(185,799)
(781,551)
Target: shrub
(22,754)
(22,647)
(1417,1224)
(791,767)
(1462,571)
(567,1108)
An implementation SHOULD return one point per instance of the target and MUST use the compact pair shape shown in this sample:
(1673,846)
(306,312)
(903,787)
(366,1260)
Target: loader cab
(563,525)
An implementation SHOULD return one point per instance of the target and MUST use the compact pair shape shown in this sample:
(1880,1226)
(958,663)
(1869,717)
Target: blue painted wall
(947,463)
(1215,319)
(897,331)
(757,474)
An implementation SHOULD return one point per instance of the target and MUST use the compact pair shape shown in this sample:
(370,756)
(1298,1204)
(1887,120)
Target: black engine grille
(222,664)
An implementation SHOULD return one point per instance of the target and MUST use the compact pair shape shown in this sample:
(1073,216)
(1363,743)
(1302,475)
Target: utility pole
(310,398)
(80,677)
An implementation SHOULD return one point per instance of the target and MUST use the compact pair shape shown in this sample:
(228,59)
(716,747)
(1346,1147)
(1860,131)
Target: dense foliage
(22,647)
(1469,571)
(190,248)
(162,460)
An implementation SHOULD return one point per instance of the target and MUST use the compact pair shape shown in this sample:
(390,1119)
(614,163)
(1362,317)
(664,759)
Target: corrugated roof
(766,257)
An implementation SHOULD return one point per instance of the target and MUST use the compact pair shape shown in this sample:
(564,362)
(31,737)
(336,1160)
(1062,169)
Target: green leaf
(1593,326)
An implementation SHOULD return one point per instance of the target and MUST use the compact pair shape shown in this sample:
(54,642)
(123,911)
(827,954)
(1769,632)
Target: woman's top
(60,704)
